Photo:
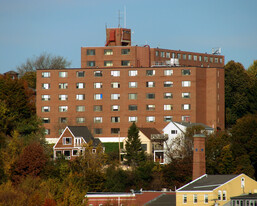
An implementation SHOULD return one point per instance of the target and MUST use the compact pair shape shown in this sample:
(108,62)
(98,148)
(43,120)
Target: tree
(252,70)
(134,152)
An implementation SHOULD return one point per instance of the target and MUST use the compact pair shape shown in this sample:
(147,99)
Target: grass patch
(112,146)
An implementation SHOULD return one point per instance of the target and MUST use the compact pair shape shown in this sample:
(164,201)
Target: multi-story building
(119,84)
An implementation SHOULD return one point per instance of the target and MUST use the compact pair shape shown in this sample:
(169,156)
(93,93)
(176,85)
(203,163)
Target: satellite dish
(216,50)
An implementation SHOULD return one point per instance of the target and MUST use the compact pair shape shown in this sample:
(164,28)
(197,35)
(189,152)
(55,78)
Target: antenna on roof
(119,18)
(216,50)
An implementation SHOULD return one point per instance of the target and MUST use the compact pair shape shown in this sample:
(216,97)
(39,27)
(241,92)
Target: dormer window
(66,140)
(77,141)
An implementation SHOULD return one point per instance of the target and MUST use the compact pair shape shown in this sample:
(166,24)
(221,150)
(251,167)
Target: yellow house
(215,190)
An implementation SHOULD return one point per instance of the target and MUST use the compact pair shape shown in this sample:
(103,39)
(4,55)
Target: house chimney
(199,165)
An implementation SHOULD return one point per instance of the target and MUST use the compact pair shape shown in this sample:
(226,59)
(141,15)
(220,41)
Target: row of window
(116,73)
(222,195)
(91,52)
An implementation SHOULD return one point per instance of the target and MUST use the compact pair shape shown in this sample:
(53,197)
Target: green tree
(226,164)
(252,70)
(134,152)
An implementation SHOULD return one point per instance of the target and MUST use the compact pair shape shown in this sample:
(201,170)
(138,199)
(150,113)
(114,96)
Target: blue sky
(29,28)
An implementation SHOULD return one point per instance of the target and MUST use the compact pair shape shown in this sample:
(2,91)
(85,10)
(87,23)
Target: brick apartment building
(119,83)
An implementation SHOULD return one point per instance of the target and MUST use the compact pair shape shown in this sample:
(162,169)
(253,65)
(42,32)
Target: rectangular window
(47,131)
(98,130)
(45,97)
(184,56)
(45,74)
(132,107)
(168,107)
(80,108)
(185,106)
(205,59)
(157,53)
(63,97)
(150,72)
(189,57)
(75,152)
(108,52)
(167,55)
(80,85)
(219,195)
(115,73)
(224,195)
(150,107)
(174,131)
(211,59)
(115,119)
(115,85)
(167,95)
(45,86)
(162,54)
(63,108)
(98,108)
(98,96)
(150,119)
(132,96)
(185,95)
(125,51)
(90,63)
(132,84)
(150,84)
(63,119)
(63,85)
(186,72)
(45,109)
(195,58)
(125,63)
(150,96)
(216,60)
(80,74)
(221,60)
(108,63)
(185,198)
(63,74)
(200,58)
(186,83)
(195,198)
(179,56)
(67,140)
(98,85)
(185,118)
(168,72)
(46,120)
(98,119)
(98,73)
(115,96)
(90,52)
(133,73)
(132,119)
(80,97)
(206,198)
(115,130)
(167,118)
(80,119)
(168,84)
(115,108)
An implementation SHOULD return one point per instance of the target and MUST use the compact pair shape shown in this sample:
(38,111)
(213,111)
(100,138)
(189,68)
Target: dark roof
(163,200)
(149,131)
(245,197)
(207,182)
(189,124)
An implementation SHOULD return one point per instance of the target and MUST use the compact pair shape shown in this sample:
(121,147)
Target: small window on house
(80,119)
(98,108)
(47,131)
(219,195)
(45,74)
(66,140)
(115,85)
(167,118)
(80,73)
(115,96)
(63,97)
(185,106)
(150,84)
(216,60)
(125,63)
(80,96)
(167,95)
(46,120)
(162,54)
(108,52)
(115,130)
(150,107)
(211,59)
(90,63)
(185,199)
(242,182)
(75,152)
(98,85)
(185,118)
(98,119)
(98,96)
(45,86)
(45,97)
(200,58)
(132,84)
(224,195)
(167,55)
(205,59)
(63,119)
(150,72)
(150,119)
(168,107)
(195,58)
(179,56)
(168,84)
(80,85)
(185,72)
(90,52)
(150,95)
(133,73)
(63,74)
(45,109)
(80,108)
(186,83)
(63,85)
(174,131)
(157,53)
(132,119)
(185,95)
(168,72)
(98,130)
(115,108)
(108,63)
(189,57)
(115,73)
(98,73)
(63,108)
(184,56)
(115,119)
(66,154)
(206,200)
(132,107)
(132,95)
(125,51)
(195,198)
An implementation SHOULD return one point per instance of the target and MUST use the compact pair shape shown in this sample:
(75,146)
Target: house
(71,142)
(214,189)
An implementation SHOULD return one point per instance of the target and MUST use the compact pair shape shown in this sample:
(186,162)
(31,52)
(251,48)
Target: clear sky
(29,28)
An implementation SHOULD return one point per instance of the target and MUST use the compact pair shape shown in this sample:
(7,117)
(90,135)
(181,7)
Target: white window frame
(134,95)
(45,86)
(150,119)
(63,108)
(115,108)
(186,83)
(186,106)
(64,141)
(168,72)
(132,119)
(185,95)
(63,74)
(132,84)
(63,85)
(115,73)
(195,198)
(167,107)
(115,119)
(45,97)
(224,195)
(98,85)
(132,73)
(108,52)
(98,73)
(115,85)
(167,118)
(80,73)
(45,109)
(150,107)
(80,120)
(167,95)
(150,72)
(98,119)
(80,85)
(108,63)
(80,97)
(168,84)
(150,84)
(80,108)
(115,96)
(98,96)
(185,199)
(206,199)
(185,118)
(63,97)
(46,74)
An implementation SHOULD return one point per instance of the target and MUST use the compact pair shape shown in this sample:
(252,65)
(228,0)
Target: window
(80,97)
(150,107)
(66,154)
(224,195)
(108,63)
(162,54)
(108,52)
(200,58)
(115,130)
(150,84)
(157,53)
(132,96)
(132,84)
(45,74)
(195,198)
(168,84)
(98,108)
(168,72)
(150,119)
(167,95)
(63,74)
(132,107)
(132,119)
(47,131)
(98,96)
(115,96)
(184,56)
(219,195)
(205,59)
(80,85)
(63,119)
(46,120)
(90,63)
(90,52)
(115,119)
(185,118)
(179,56)
(125,51)
(98,130)
(45,86)
(133,73)
(185,72)
(63,97)
(195,58)
(115,85)
(80,108)
(211,59)
(98,73)
(184,198)
(205,198)
(98,85)
(186,95)
(242,182)
(45,109)
(63,85)
(125,63)
(150,96)
(174,131)
(168,107)
(185,106)
(98,119)
(66,141)
(80,119)
(189,57)
(45,97)
(186,83)
(80,74)
(221,60)
(167,118)
(167,55)
(216,60)
(63,108)
(150,72)
(115,108)
(75,152)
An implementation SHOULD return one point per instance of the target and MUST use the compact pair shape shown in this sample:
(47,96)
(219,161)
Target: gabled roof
(207,182)
(149,131)
(189,124)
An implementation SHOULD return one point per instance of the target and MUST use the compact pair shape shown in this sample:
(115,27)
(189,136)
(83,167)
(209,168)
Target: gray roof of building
(245,197)
(163,200)
(207,183)
(189,124)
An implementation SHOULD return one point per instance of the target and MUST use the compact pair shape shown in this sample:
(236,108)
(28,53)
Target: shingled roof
(148,131)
